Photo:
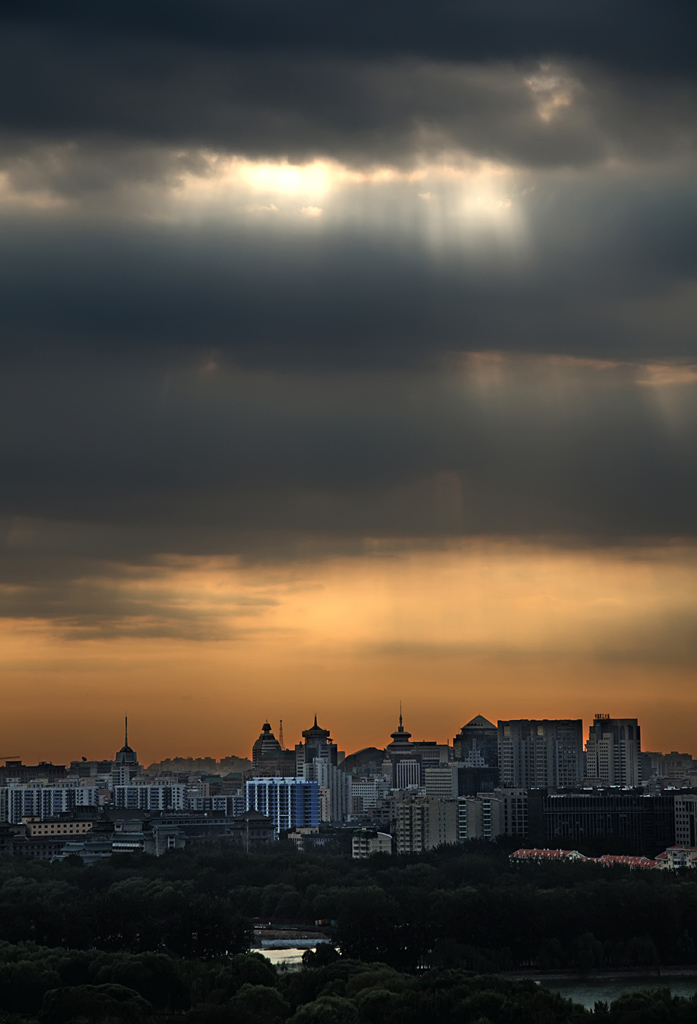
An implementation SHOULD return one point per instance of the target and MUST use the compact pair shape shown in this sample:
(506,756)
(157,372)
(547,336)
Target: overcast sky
(345,356)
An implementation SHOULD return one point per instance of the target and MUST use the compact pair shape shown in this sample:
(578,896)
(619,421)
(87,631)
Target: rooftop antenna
(125,731)
(400,714)
(280,732)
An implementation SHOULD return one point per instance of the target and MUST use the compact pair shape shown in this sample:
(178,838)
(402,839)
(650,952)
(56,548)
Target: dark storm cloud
(105,480)
(592,274)
(641,33)
(182,381)
(566,450)
(154,84)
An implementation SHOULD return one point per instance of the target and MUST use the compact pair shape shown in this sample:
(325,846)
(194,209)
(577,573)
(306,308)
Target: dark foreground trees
(246,989)
(174,931)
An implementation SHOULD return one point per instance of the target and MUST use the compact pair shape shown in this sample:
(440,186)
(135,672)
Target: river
(588,991)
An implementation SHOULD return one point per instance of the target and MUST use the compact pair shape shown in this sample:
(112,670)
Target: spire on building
(126,756)
(401,737)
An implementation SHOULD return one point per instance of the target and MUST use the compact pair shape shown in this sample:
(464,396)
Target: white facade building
(291,803)
(613,751)
(37,800)
(148,796)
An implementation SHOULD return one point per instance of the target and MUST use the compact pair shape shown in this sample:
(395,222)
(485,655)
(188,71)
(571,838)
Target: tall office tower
(685,814)
(289,803)
(269,758)
(425,822)
(335,786)
(613,751)
(546,753)
(125,765)
(317,743)
(477,744)
(402,764)
(406,760)
(480,817)
(476,752)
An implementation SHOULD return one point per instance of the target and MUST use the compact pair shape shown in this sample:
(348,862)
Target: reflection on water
(589,991)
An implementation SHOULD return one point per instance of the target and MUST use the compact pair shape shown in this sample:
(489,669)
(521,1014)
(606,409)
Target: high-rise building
(289,802)
(545,753)
(406,760)
(613,751)
(675,767)
(441,781)
(335,789)
(125,765)
(480,817)
(685,805)
(366,793)
(477,744)
(317,743)
(514,803)
(401,764)
(424,822)
(269,758)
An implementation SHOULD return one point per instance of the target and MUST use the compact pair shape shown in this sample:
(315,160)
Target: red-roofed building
(679,857)
(606,861)
(611,860)
(546,855)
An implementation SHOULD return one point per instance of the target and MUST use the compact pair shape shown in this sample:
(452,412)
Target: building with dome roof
(477,743)
(269,759)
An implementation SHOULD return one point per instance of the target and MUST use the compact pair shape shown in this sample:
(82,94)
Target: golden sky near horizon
(504,629)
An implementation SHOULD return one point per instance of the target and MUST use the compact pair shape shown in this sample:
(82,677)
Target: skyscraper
(317,743)
(477,744)
(613,751)
(268,756)
(476,753)
(545,753)
(125,765)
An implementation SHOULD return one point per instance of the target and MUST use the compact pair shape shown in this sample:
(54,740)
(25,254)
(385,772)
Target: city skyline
(378,738)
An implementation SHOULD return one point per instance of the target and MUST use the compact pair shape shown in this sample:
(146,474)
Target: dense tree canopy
(418,938)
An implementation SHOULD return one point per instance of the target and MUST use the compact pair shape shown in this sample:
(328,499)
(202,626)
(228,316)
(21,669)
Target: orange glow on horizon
(503,629)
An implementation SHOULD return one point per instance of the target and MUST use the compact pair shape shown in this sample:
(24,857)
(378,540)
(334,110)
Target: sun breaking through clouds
(346,359)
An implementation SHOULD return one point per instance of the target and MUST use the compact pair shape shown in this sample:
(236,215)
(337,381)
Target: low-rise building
(365,842)
(677,857)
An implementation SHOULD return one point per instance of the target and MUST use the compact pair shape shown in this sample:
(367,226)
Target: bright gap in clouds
(463,202)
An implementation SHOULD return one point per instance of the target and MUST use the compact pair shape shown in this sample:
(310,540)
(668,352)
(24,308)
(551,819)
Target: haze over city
(340,368)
